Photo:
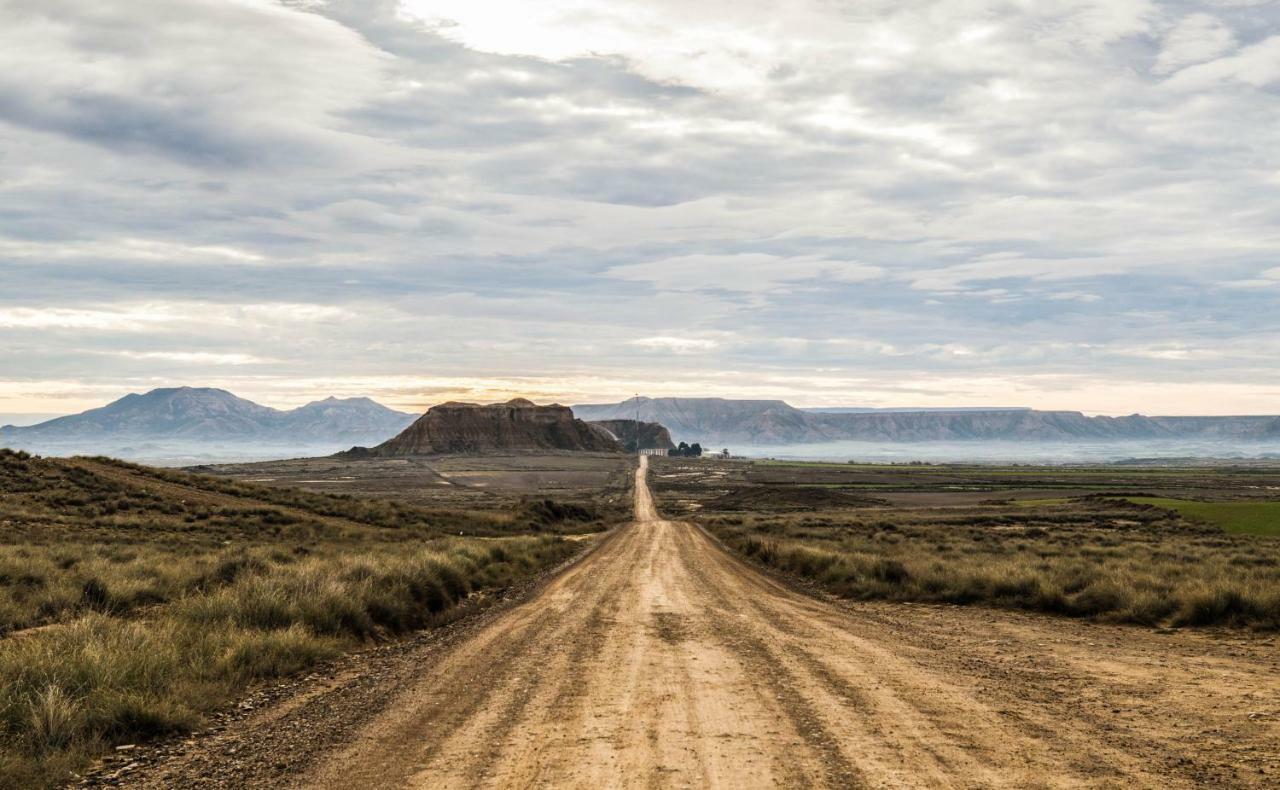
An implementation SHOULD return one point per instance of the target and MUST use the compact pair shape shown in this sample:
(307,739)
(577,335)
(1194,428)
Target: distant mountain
(711,419)
(354,419)
(897,409)
(770,422)
(207,414)
(515,425)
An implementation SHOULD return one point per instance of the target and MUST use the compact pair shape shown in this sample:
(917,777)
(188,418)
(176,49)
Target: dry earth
(659,660)
(477,481)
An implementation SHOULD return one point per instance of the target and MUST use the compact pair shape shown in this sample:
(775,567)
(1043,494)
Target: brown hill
(651,434)
(515,425)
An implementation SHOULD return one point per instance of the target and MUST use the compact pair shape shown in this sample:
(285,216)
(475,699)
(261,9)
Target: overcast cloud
(967,202)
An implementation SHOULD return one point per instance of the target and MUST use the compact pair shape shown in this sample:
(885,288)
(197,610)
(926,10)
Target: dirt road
(660,660)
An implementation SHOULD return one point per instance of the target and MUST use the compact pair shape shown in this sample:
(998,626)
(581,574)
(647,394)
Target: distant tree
(686,450)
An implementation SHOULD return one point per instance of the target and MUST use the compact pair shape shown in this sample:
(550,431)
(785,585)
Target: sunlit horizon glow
(952,203)
(417,394)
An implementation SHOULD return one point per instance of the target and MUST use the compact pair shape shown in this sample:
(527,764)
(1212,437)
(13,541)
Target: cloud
(675,345)
(197,357)
(179,92)
(1257,65)
(743,272)
(61,318)
(1195,39)
(549,196)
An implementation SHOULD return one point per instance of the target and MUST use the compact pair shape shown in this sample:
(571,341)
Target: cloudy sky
(1070,204)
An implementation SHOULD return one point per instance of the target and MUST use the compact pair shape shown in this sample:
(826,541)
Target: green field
(985,469)
(1245,518)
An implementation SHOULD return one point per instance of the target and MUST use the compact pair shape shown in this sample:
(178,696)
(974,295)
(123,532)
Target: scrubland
(991,537)
(135,601)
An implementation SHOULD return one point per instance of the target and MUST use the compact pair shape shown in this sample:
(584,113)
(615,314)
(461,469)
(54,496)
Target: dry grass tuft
(131,607)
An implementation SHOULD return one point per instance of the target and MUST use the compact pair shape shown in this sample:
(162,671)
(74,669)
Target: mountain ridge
(209,413)
(768,422)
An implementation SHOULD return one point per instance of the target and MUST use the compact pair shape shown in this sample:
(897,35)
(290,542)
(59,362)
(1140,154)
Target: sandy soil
(659,660)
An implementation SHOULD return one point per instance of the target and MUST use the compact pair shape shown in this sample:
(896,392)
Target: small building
(653,451)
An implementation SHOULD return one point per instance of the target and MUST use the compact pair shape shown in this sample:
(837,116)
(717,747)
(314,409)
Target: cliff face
(651,434)
(515,425)
(703,419)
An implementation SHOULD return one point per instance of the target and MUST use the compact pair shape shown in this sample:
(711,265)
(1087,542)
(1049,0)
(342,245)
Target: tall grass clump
(1145,576)
(75,688)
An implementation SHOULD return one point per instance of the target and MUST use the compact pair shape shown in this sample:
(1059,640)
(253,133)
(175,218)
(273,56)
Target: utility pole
(637,428)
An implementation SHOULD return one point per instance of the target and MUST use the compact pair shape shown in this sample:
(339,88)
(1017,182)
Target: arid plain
(762,624)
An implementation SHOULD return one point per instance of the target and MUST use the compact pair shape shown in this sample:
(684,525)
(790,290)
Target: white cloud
(743,272)
(1195,39)
(127,249)
(197,357)
(1257,65)
(63,318)
(675,345)
(541,191)
(151,316)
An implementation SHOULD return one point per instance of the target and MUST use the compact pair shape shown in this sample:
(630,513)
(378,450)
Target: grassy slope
(151,597)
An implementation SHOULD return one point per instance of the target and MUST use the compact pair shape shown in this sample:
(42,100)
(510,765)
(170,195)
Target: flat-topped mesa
(518,424)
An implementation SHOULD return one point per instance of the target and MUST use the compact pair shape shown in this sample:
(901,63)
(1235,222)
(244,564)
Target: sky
(1067,205)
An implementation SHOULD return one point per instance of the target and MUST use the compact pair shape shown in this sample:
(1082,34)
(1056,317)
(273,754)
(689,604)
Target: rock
(515,425)
(651,434)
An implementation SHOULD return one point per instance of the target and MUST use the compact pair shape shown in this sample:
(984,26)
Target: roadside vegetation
(942,538)
(135,601)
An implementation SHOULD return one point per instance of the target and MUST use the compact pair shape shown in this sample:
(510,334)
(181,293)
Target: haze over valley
(188,425)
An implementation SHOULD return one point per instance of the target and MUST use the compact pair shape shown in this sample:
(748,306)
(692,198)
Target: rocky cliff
(703,419)
(652,436)
(514,425)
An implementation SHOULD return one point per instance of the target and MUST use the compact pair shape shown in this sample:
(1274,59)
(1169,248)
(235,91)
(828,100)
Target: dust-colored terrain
(660,660)
(478,481)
